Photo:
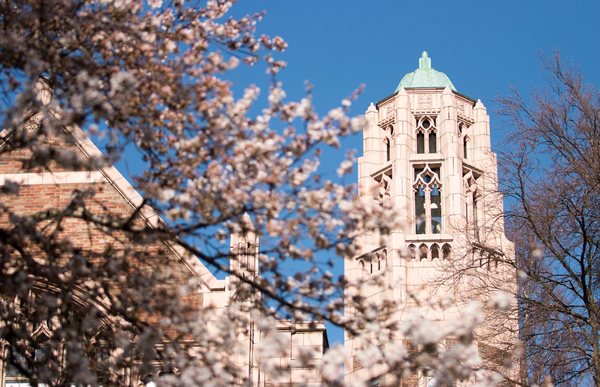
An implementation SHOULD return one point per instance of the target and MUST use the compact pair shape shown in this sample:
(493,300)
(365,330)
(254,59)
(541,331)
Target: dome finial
(425,77)
(424,61)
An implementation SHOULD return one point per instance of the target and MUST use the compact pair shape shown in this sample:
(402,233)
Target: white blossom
(155,3)
(501,300)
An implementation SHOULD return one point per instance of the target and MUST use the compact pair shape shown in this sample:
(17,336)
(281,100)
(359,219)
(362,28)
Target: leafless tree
(550,169)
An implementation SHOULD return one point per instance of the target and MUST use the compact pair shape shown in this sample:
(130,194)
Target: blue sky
(483,46)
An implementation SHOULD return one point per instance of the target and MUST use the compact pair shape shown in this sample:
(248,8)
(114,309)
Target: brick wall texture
(96,243)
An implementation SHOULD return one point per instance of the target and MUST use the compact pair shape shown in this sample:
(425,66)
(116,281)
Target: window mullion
(428,210)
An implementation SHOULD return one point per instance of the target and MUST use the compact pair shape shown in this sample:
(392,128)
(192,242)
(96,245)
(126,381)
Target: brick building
(108,196)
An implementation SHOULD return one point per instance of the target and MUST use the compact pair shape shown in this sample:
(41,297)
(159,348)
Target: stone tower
(426,149)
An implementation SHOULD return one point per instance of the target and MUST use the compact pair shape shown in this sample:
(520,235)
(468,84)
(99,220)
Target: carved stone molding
(424,102)
(35,122)
(387,114)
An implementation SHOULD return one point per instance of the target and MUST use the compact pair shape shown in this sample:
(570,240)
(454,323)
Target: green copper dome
(425,77)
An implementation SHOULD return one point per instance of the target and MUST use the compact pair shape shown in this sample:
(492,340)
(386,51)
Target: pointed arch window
(428,201)
(446,251)
(462,133)
(39,353)
(426,134)
(387,141)
(412,251)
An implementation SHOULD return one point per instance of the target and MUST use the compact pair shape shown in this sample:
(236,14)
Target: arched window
(423,251)
(446,251)
(387,141)
(465,141)
(384,258)
(40,353)
(435,251)
(428,201)
(412,250)
(426,133)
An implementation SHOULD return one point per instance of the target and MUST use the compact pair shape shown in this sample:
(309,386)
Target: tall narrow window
(472,196)
(421,222)
(475,217)
(388,135)
(436,209)
(420,142)
(428,201)
(432,142)
(465,147)
(388,151)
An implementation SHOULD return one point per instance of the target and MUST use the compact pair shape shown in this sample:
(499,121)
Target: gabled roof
(113,177)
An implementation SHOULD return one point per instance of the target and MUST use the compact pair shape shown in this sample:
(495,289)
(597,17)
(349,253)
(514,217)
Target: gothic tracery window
(39,353)
(426,133)
(428,203)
